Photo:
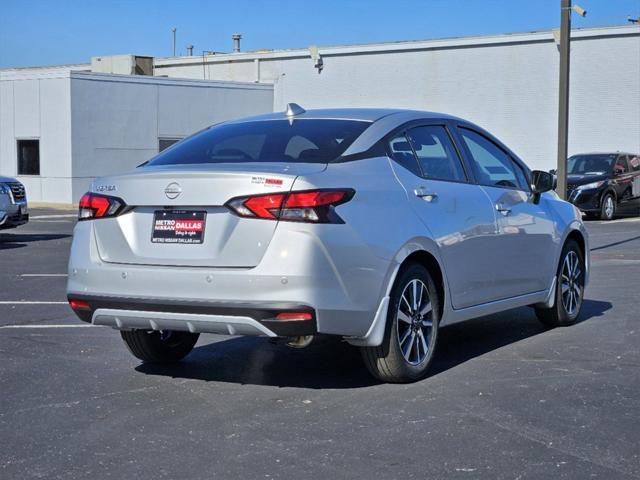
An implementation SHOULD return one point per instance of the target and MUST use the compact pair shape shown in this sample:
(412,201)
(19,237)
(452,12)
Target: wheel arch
(578,233)
(423,251)
(428,261)
(579,239)
(607,191)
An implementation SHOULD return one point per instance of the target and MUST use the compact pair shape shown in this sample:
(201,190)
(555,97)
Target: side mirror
(541,182)
(553,171)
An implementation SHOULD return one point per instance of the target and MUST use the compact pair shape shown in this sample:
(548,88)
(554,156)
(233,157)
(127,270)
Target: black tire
(388,362)
(560,315)
(608,207)
(159,347)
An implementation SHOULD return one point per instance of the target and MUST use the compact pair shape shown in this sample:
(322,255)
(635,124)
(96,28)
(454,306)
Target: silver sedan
(376,226)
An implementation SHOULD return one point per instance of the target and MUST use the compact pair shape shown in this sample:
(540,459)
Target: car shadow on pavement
(29,237)
(614,244)
(473,338)
(9,241)
(330,363)
(10,245)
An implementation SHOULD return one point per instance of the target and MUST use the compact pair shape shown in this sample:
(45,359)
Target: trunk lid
(228,240)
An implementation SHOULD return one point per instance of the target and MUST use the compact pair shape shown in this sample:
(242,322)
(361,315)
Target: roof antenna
(294,109)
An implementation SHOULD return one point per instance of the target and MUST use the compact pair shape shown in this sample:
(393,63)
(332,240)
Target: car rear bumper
(299,272)
(127,313)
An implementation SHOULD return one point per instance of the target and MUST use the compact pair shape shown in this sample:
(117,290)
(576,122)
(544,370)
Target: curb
(57,206)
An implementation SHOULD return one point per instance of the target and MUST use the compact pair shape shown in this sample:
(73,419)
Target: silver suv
(377,226)
(13,203)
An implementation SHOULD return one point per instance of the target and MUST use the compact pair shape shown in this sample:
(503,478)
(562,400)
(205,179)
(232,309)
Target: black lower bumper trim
(15,221)
(263,313)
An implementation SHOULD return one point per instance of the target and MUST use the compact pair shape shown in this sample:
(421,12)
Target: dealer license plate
(178,226)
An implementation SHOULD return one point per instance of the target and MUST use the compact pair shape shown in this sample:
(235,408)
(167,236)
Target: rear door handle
(423,193)
(502,209)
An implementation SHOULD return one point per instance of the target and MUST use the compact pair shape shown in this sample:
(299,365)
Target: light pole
(173,30)
(563,92)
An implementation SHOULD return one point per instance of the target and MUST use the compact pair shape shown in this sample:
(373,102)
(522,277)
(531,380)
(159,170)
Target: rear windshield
(591,164)
(298,141)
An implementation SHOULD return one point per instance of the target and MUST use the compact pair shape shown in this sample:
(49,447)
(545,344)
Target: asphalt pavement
(506,398)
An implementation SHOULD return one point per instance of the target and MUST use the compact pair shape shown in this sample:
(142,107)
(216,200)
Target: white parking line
(619,220)
(43,275)
(43,217)
(80,325)
(53,221)
(30,302)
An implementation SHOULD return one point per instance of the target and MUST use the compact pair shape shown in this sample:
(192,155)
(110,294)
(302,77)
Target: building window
(28,157)
(164,143)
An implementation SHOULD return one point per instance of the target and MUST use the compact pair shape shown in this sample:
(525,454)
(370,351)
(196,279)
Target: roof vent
(294,109)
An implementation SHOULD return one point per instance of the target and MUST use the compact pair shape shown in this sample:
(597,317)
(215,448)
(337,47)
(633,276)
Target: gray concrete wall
(117,121)
(506,83)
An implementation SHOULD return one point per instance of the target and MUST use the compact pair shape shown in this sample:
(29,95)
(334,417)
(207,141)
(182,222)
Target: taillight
(315,206)
(79,304)
(294,316)
(92,206)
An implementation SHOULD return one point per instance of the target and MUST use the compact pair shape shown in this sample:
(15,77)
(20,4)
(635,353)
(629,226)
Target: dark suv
(13,203)
(601,184)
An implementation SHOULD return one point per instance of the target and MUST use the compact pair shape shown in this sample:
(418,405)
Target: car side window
(621,165)
(521,176)
(401,151)
(492,165)
(437,157)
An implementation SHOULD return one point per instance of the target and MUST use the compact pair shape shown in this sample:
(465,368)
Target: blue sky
(39,32)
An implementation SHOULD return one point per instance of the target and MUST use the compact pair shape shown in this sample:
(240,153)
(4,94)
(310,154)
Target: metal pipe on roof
(236,42)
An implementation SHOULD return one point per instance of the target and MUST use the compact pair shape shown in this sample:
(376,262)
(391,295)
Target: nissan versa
(377,226)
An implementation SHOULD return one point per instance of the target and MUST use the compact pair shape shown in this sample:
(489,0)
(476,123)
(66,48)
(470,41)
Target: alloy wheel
(608,206)
(571,283)
(414,319)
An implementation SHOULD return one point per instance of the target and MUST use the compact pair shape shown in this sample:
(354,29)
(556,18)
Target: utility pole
(174,40)
(563,93)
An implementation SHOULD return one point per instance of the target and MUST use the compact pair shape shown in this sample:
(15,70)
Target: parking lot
(507,398)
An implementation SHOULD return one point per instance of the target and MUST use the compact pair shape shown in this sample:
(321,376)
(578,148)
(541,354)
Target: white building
(62,127)
(91,124)
(508,84)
